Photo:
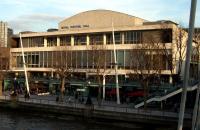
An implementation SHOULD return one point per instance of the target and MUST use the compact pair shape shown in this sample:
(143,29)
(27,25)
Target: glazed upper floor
(100,38)
(95,27)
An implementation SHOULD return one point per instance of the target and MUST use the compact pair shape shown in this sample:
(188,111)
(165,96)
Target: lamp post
(89,101)
(187,63)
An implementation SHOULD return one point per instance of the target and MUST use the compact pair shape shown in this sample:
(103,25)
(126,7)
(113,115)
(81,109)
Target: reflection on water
(18,121)
(23,121)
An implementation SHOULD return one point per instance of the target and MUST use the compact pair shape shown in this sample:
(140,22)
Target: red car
(135,93)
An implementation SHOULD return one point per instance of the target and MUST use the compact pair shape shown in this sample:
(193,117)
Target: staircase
(166,96)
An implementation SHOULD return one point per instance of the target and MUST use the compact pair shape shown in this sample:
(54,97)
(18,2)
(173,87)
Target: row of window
(88,59)
(129,37)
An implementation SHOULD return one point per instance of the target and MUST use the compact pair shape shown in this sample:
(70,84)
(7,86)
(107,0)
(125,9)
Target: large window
(127,58)
(51,41)
(50,59)
(120,58)
(79,59)
(167,36)
(96,39)
(133,37)
(65,41)
(118,38)
(33,42)
(80,40)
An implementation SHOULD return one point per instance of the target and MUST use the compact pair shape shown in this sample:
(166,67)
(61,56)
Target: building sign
(75,26)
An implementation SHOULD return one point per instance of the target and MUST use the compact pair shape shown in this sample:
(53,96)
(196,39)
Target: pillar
(87,40)
(45,42)
(122,37)
(58,41)
(104,39)
(72,40)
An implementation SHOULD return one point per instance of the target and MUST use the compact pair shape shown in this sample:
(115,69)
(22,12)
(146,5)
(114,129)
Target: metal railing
(108,107)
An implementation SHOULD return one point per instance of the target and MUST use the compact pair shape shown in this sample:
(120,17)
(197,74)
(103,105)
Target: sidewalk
(106,106)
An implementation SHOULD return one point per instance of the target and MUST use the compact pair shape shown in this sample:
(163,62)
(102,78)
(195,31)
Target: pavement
(70,101)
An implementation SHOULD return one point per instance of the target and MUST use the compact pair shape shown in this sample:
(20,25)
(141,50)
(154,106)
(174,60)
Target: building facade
(5,34)
(83,43)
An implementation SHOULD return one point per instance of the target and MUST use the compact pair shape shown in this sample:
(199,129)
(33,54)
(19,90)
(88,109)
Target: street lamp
(89,101)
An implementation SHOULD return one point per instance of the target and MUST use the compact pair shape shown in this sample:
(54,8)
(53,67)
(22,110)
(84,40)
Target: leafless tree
(98,53)
(64,70)
(147,61)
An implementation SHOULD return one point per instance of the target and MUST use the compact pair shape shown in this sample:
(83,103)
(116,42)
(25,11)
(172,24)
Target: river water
(13,120)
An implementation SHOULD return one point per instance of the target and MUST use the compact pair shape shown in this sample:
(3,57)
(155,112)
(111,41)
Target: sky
(39,15)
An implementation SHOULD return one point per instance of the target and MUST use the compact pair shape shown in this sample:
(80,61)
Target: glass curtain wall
(127,59)
(80,40)
(65,41)
(33,42)
(118,38)
(96,39)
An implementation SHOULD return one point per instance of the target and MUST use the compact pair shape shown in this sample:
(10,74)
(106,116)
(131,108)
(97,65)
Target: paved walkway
(69,101)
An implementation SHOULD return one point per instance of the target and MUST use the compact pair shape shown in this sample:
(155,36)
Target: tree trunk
(1,87)
(62,89)
(145,85)
(104,89)
(99,91)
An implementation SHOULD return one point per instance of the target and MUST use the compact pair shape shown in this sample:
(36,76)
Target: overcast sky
(39,15)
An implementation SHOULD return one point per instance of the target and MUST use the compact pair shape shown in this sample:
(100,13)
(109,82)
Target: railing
(109,107)
(166,95)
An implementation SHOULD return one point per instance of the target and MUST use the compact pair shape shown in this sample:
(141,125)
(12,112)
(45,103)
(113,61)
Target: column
(58,41)
(72,40)
(122,34)
(87,40)
(45,41)
(104,39)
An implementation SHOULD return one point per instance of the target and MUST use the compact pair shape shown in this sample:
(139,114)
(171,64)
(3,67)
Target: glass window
(133,37)
(49,60)
(127,59)
(65,41)
(59,59)
(74,58)
(80,40)
(85,59)
(69,58)
(79,58)
(96,39)
(64,58)
(118,38)
(108,59)
(45,59)
(120,58)
(51,41)
(33,42)
(90,59)
(41,59)
(54,59)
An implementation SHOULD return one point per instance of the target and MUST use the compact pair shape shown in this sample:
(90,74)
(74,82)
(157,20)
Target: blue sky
(39,15)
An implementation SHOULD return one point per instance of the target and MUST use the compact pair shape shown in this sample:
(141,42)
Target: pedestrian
(175,107)
(76,95)
(15,83)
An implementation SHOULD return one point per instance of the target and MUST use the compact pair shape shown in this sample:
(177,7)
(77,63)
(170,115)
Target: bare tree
(64,70)
(175,56)
(98,53)
(147,61)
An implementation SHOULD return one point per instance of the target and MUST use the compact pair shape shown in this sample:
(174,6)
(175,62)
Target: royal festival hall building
(83,43)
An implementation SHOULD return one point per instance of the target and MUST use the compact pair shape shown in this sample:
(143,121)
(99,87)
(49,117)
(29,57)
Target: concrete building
(84,43)
(5,34)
